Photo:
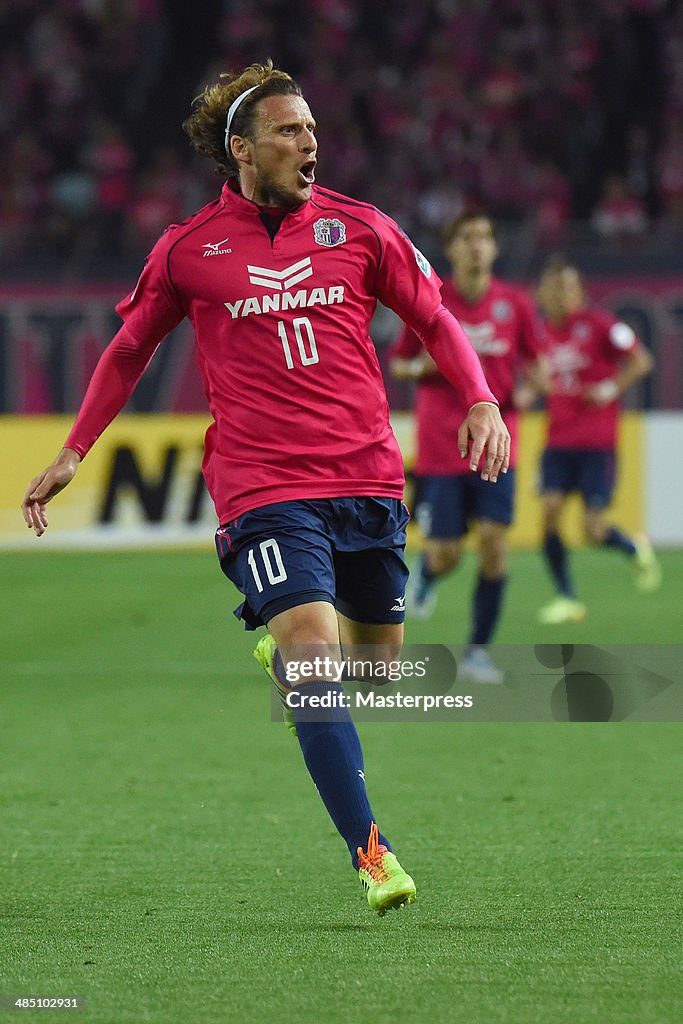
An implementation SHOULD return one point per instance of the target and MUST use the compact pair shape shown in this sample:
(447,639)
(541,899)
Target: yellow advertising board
(141,485)
(627,508)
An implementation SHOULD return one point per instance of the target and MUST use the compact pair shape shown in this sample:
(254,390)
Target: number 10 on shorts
(272,563)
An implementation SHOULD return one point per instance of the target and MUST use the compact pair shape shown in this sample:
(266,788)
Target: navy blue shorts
(347,551)
(447,505)
(591,473)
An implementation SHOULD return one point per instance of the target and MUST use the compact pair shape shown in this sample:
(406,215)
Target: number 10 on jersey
(305,341)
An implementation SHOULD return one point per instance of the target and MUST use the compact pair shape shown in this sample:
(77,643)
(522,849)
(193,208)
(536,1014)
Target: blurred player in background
(280,279)
(594,358)
(502,324)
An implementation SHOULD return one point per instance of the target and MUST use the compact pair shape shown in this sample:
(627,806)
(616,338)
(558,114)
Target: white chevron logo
(281,279)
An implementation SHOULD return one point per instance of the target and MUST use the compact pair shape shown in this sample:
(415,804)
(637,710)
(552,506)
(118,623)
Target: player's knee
(444,557)
(375,645)
(311,625)
(551,518)
(493,564)
(593,530)
(493,553)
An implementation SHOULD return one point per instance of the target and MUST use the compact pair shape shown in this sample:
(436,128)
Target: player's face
(560,293)
(282,157)
(473,250)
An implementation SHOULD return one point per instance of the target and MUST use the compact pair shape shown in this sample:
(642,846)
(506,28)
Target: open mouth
(307,172)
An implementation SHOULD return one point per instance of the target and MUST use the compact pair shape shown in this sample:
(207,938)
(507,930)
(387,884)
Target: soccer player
(280,278)
(502,325)
(594,358)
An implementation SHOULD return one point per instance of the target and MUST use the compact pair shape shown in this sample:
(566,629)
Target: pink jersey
(282,331)
(504,330)
(588,347)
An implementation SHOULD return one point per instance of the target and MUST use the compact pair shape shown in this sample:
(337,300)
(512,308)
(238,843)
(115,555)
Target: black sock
(614,538)
(334,758)
(488,599)
(556,555)
(427,575)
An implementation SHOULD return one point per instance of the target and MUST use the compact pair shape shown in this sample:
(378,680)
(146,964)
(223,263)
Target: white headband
(232,110)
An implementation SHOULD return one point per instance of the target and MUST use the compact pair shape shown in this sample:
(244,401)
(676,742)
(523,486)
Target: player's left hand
(45,486)
(484,425)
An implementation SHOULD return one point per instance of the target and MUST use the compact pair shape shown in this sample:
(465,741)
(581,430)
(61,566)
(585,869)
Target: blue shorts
(347,551)
(448,505)
(591,473)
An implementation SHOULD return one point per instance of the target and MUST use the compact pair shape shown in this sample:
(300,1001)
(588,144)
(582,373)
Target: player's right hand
(485,427)
(44,487)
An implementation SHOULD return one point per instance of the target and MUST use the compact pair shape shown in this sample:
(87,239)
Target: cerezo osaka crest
(329,231)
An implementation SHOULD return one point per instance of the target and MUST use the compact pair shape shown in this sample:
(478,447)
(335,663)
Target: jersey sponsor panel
(504,331)
(288,366)
(301,299)
(588,347)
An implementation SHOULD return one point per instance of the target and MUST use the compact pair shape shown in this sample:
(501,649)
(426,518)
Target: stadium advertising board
(141,485)
(142,482)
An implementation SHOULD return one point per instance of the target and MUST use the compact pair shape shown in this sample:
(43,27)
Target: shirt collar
(232,198)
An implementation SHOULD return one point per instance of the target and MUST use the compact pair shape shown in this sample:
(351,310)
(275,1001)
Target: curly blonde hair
(206,124)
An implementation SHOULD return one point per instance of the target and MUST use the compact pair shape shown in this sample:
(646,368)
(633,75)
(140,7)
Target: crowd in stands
(542,112)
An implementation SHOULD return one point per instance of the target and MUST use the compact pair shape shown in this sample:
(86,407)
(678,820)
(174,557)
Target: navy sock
(333,756)
(614,538)
(488,598)
(427,575)
(279,666)
(556,555)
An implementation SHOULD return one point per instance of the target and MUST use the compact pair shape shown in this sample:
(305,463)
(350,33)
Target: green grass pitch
(165,856)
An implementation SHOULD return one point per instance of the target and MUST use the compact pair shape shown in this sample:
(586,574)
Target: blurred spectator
(619,216)
(671,174)
(551,207)
(536,110)
(159,200)
(110,160)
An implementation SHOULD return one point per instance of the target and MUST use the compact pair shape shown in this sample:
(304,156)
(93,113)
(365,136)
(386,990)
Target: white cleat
(562,609)
(477,667)
(420,597)
(648,569)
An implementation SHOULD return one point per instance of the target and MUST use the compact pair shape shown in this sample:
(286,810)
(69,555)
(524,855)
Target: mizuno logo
(279,280)
(400,604)
(215,248)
